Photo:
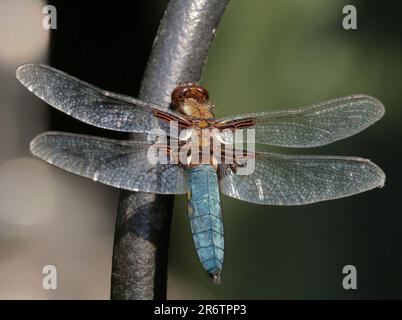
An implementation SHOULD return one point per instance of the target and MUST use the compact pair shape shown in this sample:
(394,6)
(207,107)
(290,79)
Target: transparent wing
(92,105)
(311,126)
(296,179)
(121,164)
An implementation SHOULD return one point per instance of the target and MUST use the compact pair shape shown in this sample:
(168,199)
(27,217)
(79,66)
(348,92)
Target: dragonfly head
(189,90)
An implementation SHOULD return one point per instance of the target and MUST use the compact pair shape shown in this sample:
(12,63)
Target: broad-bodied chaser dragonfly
(277,179)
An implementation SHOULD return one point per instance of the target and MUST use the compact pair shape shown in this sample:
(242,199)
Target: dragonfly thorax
(199,112)
(192,100)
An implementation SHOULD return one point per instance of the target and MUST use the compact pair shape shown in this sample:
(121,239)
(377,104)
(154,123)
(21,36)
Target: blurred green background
(268,54)
(271,54)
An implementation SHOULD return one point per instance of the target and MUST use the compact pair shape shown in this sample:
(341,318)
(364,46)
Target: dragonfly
(277,179)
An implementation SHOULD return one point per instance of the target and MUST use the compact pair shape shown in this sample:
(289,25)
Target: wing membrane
(297,180)
(92,105)
(311,126)
(121,164)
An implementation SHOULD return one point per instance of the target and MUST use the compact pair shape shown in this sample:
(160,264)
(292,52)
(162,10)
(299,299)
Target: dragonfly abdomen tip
(215,277)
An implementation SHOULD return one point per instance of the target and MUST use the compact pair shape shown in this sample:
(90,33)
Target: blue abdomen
(206,218)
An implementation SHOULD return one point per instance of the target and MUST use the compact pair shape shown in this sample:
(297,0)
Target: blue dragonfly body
(204,211)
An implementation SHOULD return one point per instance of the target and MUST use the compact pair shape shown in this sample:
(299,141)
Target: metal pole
(139,269)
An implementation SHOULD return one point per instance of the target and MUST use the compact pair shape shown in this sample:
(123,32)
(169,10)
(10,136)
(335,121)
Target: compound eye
(198,93)
(189,90)
(204,94)
(178,96)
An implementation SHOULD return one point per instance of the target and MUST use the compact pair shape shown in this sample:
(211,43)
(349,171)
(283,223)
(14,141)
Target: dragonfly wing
(296,179)
(311,126)
(92,105)
(120,164)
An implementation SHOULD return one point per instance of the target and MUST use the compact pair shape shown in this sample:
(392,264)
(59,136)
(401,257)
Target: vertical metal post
(139,269)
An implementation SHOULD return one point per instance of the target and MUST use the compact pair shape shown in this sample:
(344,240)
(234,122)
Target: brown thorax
(192,100)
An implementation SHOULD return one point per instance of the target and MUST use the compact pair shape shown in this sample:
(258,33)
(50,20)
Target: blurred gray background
(267,55)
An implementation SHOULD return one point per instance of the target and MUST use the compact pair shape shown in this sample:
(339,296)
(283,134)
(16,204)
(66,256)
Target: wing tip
(37,140)
(381,177)
(19,73)
(374,102)
(379,182)
(34,143)
(375,170)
